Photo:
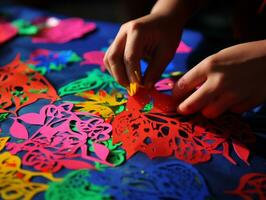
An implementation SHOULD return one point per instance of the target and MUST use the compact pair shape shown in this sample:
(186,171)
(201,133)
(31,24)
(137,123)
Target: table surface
(219,174)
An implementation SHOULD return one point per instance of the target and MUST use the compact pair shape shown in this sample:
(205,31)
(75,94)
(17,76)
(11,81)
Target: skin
(232,79)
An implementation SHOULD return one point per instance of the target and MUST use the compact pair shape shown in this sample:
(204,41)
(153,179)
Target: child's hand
(154,37)
(232,79)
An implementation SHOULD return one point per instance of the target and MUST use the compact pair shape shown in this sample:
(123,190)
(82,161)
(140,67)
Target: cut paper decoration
(3,141)
(44,60)
(3,116)
(251,186)
(20,86)
(95,80)
(165,84)
(193,139)
(65,31)
(94,58)
(116,156)
(183,48)
(7,31)
(101,103)
(165,180)
(61,140)
(75,186)
(25,27)
(15,183)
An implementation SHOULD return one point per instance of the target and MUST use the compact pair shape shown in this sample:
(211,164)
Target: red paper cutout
(20,86)
(161,133)
(183,48)
(94,58)
(7,31)
(251,186)
(65,31)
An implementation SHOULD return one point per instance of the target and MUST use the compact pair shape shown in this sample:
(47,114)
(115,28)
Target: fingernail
(137,76)
(132,89)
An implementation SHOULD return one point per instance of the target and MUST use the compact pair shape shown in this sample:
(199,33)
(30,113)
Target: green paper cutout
(25,27)
(75,186)
(116,156)
(120,109)
(95,80)
(3,116)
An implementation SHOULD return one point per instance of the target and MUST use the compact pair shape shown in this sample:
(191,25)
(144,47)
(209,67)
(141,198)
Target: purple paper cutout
(56,143)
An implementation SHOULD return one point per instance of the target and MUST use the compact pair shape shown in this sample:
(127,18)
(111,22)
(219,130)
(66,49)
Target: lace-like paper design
(15,183)
(75,187)
(193,139)
(166,180)
(95,80)
(101,103)
(251,186)
(20,86)
(61,140)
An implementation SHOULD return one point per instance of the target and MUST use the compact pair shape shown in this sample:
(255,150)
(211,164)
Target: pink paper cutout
(101,151)
(76,164)
(94,58)
(32,118)
(65,31)
(56,141)
(165,84)
(183,48)
(18,130)
(7,31)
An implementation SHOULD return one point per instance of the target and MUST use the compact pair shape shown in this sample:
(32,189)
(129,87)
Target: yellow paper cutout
(15,182)
(3,141)
(100,103)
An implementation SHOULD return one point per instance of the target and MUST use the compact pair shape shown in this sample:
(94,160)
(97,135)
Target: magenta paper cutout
(65,31)
(7,31)
(61,140)
(183,48)
(165,84)
(94,58)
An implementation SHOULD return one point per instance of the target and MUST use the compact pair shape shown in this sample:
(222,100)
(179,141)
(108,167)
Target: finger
(115,59)
(156,66)
(197,100)
(106,63)
(189,82)
(219,105)
(132,56)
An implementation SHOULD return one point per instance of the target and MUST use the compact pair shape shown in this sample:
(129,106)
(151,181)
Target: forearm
(178,10)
